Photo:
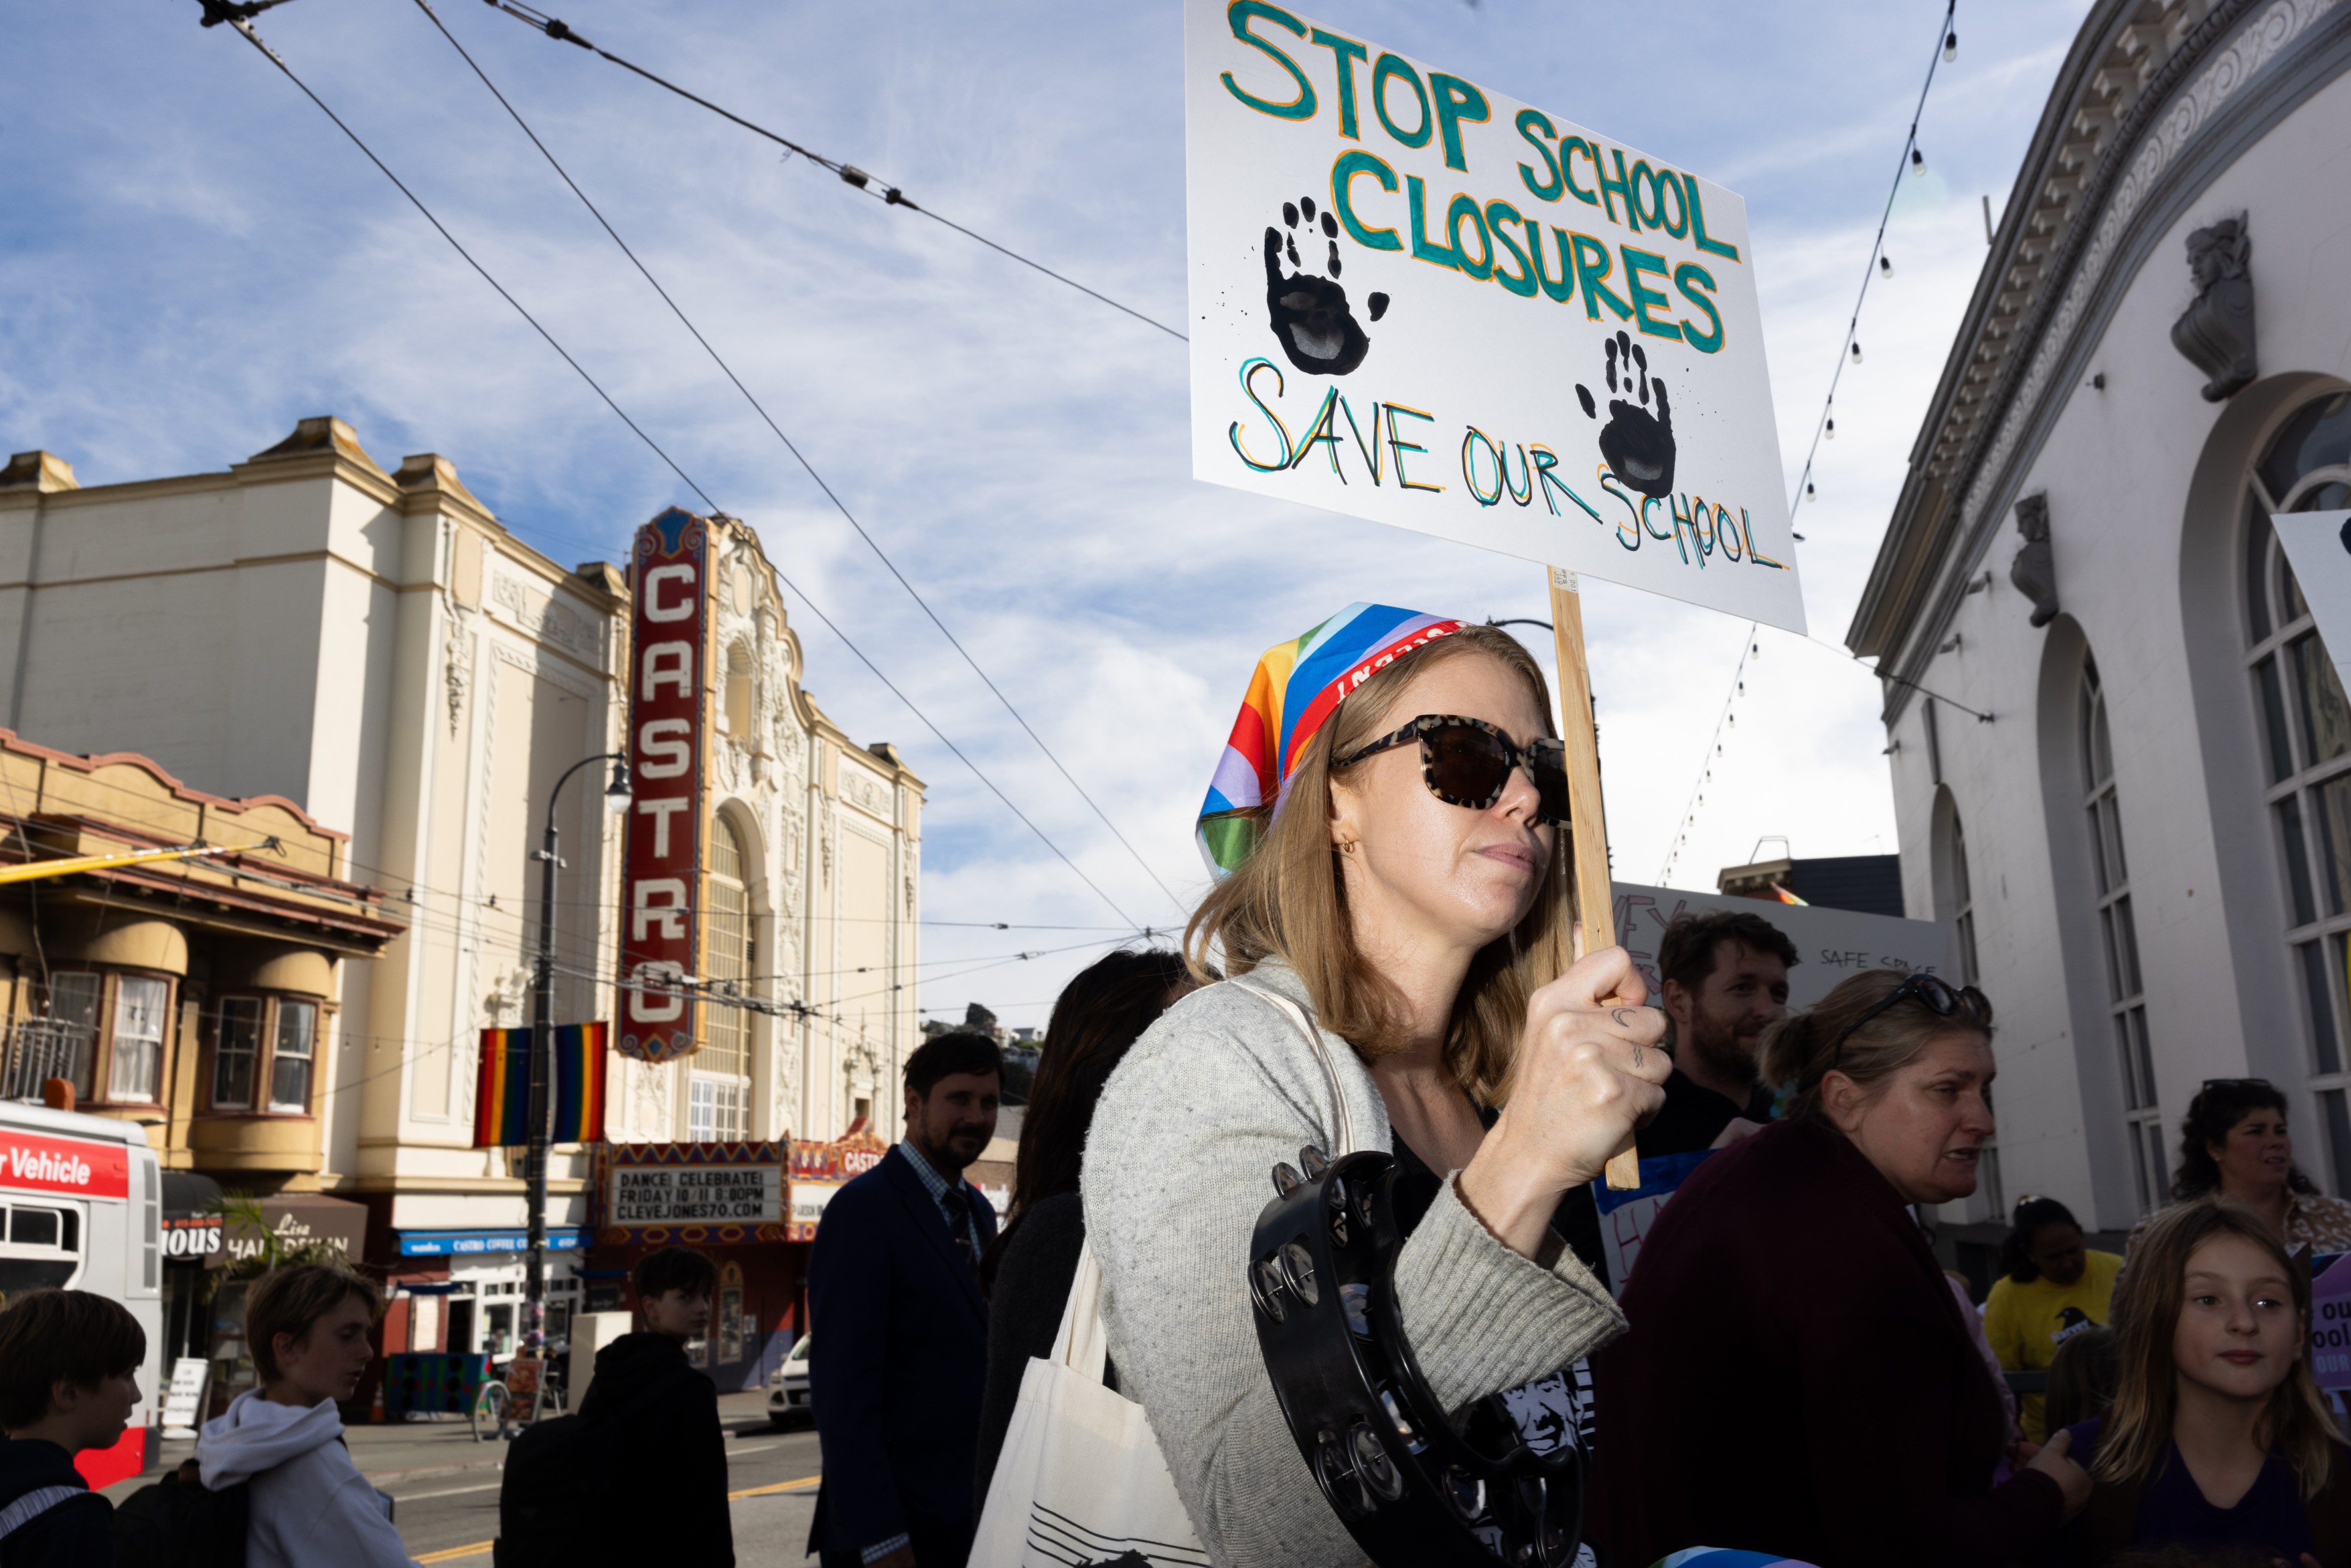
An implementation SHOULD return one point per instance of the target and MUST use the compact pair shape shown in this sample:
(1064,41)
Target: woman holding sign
(1799,1379)
(1388,822)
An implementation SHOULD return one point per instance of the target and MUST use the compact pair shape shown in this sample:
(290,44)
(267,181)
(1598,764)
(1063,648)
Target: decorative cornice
(2144,80)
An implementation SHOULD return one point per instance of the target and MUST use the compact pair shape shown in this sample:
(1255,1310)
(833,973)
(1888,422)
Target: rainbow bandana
(1297,688)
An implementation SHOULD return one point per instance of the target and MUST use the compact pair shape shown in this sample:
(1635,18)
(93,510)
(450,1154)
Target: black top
(76,1533)
(669,1502)
(1692,1117)
(1024,1312)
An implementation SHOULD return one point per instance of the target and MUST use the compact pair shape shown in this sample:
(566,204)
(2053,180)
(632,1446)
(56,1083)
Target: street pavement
(445,1486)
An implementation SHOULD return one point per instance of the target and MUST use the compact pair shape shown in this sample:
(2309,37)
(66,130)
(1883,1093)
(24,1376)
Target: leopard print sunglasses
(1467,762)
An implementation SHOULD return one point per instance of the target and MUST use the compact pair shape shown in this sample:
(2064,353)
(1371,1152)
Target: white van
(80,1209)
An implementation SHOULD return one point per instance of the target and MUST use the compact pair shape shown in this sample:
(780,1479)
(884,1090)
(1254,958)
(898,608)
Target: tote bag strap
(1305,1026)
(1079,1344)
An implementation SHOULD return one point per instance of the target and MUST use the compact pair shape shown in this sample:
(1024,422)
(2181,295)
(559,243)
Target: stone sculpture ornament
(2216,331)
(2034,570)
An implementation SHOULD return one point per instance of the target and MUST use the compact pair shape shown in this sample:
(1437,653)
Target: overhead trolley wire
(889,195)
(245,29)
(789,445)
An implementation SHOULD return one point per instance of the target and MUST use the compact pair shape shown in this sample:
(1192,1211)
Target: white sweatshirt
(311,1507)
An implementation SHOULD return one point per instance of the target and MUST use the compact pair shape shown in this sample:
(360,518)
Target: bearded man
(1725,978)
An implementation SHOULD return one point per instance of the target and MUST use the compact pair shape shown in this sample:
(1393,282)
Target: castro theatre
(765,945)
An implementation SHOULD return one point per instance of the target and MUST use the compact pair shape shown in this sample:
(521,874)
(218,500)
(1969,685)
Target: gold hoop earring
(1347,846)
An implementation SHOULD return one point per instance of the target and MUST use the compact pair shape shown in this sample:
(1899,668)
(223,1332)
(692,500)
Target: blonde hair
(1803,1049)
(1288,900)
(2297,1425)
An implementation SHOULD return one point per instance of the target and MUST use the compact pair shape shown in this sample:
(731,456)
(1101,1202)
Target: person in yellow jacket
(2055,1287)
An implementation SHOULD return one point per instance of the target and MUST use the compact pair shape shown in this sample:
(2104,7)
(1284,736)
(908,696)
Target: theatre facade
(2121,759)
(372,648)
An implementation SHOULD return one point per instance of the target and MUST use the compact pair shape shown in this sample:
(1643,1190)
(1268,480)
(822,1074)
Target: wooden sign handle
(1594,904)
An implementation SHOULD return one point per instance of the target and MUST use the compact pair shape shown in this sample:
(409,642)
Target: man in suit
(898,1352)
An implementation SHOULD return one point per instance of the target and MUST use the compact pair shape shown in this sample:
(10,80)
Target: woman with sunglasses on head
(2234,1145)
(1798,1379)
(1388,821)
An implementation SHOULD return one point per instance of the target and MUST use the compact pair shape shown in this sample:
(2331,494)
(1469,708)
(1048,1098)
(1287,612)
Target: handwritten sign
(1627,1217)
(1417,300)
(2330,1324)
(1833,943)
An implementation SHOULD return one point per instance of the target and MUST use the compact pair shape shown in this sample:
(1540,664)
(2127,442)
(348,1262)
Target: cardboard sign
(661,878)
(1415,300)
(32,1162)
(1627,1217)
(1834,944)
(2318,547)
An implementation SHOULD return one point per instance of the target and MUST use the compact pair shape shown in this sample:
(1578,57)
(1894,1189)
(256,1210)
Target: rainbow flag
(576,1087)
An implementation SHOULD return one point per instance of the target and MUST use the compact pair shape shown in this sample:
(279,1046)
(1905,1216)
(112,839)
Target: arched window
(1963,900)
(718,1100)
(2306,739)
(2119,935)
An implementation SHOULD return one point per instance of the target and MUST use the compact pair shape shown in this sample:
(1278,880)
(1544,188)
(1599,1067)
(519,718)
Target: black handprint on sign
(1311,318)
(1637,446)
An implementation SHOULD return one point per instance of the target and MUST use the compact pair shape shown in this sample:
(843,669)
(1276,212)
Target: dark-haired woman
(1034,1259)
(2234,1143)
(2052,1286)
(1798,1379)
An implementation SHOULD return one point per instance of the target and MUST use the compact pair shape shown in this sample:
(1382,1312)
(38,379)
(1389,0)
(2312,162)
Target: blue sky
(193,258)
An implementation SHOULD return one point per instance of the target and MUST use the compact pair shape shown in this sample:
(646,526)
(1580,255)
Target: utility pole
(542,1046)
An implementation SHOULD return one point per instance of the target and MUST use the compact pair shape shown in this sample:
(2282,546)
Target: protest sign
(2330,1323)
(1627,1215)
(1417,300)
(2318,547)
(1832,944)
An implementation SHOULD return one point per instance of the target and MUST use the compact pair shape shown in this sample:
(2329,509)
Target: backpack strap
(34,1504)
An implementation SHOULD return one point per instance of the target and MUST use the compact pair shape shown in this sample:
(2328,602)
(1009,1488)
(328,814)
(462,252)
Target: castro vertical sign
(660,935)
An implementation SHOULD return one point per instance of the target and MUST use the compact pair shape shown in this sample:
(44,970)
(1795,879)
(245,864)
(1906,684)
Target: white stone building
(377,649)
(2146,849)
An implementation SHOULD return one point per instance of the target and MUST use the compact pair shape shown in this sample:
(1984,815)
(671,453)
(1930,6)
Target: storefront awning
(467,1243)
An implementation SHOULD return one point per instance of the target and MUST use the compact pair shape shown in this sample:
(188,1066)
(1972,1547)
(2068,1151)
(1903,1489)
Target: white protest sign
(1833,945)
(2318,547)
(1418,302)
(184,1400)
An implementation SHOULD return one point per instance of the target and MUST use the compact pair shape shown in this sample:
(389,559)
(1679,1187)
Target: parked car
(787,1386)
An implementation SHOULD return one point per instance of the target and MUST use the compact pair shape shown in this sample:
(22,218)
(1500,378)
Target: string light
(1951,45)
(1830,429)
(1857,352)
(1917,161)
(1885,266)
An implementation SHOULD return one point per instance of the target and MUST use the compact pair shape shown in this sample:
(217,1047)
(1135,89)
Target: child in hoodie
(68,1380)
(306,1329)
(669,1505)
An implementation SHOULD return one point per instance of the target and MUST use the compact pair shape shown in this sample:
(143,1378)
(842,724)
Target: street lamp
(617,794)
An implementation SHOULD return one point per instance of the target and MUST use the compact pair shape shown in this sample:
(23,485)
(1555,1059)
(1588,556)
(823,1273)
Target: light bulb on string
(1917,161)
(1950,47)
(1885,266)
(1831,431)
(1809,492)
(1857,352)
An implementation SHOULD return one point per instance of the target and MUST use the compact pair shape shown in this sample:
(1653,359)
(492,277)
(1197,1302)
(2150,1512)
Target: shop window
(136,1058)
(237,1051)
(291,1054)
(2301,726)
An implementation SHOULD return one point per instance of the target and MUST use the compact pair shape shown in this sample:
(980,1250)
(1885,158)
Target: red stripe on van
(33,1163)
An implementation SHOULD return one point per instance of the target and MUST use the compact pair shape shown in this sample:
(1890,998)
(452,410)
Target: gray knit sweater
(1177,1166)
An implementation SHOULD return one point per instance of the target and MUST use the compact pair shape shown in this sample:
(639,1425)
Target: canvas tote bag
(1082,1480)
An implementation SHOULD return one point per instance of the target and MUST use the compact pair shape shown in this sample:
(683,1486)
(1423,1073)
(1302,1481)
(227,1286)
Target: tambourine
(1409,1487)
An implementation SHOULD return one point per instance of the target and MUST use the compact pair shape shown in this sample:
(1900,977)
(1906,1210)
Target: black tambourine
(1409,1487)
